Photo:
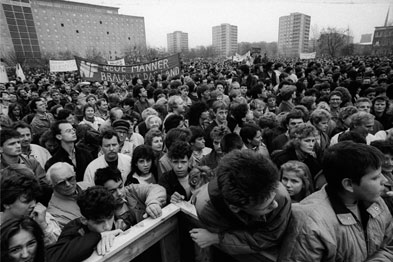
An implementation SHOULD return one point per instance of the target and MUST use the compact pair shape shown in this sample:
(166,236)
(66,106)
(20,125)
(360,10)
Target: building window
(129,38)
(62,25)
(107,33)
(100,22)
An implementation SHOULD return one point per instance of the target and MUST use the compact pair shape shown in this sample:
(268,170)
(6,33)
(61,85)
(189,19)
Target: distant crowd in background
(257,148)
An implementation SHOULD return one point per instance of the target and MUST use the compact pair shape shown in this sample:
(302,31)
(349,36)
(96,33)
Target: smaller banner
(240,58)
(307,55)
(256,50)
(119,62)
(3,75)
(19,72)
(62,65)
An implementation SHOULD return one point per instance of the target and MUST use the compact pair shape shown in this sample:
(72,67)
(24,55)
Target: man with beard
(110,147)
(68,152)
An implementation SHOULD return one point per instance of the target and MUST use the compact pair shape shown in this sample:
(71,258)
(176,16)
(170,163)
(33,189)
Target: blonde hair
(303,172)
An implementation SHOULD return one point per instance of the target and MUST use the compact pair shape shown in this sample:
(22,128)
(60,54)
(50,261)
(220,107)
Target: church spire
(387,17)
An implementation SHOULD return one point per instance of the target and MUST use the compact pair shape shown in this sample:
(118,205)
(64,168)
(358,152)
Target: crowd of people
(284,160)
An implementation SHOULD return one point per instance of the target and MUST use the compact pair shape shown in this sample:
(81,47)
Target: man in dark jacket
(67,152)
(245,209)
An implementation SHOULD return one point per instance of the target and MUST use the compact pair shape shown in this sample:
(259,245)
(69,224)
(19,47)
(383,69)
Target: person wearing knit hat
(122,128)
(85,91)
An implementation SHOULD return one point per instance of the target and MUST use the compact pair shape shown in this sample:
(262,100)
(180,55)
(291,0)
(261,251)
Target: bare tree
(332,41)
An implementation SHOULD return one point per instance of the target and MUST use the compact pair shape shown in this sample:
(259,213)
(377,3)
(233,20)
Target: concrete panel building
(293,34)
(177,42)
(225,39)
(32,28)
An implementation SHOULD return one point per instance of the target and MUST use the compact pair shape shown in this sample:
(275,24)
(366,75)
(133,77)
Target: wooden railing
(143,235)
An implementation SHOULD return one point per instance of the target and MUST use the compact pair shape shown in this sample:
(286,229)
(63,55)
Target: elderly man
(31,150)
(110,147)
(62,205)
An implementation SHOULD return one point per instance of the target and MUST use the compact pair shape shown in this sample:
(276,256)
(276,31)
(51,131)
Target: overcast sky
(257,20)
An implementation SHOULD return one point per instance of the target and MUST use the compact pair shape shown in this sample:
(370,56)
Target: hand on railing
(120,224)
(153,210)
(204,238)
(104,246)
(176,198)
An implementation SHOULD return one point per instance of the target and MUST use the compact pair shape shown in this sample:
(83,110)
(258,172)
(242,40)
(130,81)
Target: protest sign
(256,50)
(62,65)
(307,55)
(3,74)
(120,62)
(240,58)
(91,71)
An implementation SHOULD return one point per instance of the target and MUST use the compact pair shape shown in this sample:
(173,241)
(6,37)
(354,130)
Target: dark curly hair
(179,150)
(102,175)
(246,178)
(17,181)
(177,134)
(96,203)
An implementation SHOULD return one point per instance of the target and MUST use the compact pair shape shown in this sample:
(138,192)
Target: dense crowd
(284,160)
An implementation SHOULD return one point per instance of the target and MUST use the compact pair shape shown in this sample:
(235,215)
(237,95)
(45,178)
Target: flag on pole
(3,74)
(19,72)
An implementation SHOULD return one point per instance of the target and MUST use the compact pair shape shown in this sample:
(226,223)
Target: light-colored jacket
(98,122)
(140,196)
(39,153)
(123,164)
(322,229)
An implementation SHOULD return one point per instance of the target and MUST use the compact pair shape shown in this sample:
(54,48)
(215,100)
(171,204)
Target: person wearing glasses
(68,152)
(62,205)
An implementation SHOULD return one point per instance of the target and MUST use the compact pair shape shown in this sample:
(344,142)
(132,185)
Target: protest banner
(307,55)
(62,65)
(3,74)
(240,58)
(19,72)
(120,62)
(91,71)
